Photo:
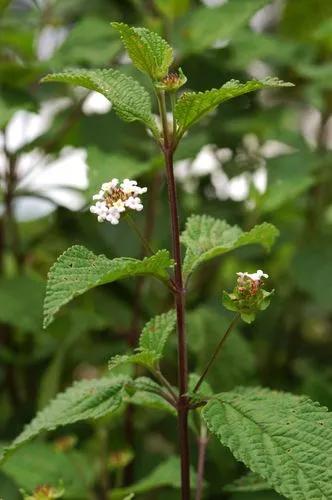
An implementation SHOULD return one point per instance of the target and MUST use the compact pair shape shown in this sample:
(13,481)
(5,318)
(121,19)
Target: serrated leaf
(152,342)
(146,359)
(206,238)
(156,332)
(148,51)
(285,439)
(130,100)
(194,105)
(87,399)
(78,270)
(249,482)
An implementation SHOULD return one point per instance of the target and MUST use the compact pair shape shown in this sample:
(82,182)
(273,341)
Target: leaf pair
(152,55)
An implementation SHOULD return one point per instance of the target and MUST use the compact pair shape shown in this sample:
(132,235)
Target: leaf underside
(194,105)
(285,439)
(130,100)
(78,270)
(206,238)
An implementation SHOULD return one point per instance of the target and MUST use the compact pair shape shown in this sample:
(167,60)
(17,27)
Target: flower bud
(45,492)
(248,296)
(172,81)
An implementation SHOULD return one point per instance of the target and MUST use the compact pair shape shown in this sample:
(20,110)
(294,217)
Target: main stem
(179,296)
(179,299)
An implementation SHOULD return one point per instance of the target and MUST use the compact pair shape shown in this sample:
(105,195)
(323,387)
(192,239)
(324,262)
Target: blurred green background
(263,157)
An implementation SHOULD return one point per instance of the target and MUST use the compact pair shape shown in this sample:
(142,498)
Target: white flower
(114,199)
(257,276)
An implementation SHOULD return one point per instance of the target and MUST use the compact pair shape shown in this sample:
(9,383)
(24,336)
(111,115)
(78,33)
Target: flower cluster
(248,296)
(114,199)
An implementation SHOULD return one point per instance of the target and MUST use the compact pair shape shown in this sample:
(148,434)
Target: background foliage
(263,157)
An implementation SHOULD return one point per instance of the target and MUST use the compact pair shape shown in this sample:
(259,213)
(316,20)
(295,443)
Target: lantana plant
(284,439)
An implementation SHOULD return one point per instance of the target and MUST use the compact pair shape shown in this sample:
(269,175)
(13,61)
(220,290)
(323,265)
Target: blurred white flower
(96,103)
(50,39)
(113,199)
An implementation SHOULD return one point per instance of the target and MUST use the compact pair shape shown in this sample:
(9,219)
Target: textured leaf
(285,439)
(130,100)
(87,399)
(206,237)
(152,342)
(166,474)
(78,270)
(156,332)
(146,359)
(149,52)
(249,482)
(194,105)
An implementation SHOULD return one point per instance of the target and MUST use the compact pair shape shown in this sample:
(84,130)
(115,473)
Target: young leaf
(130,100)
(151,343)
(156,332)
(193,105)
(149,52)
(285,439)
(84,400)
(77,270)
(206,238)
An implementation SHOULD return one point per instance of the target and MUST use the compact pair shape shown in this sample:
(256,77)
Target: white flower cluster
(257,276)
(114,198)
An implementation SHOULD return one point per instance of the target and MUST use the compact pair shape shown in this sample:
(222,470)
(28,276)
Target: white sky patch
(96,103)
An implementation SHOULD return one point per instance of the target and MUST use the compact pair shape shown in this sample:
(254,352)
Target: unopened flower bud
(45,492)
(172,81)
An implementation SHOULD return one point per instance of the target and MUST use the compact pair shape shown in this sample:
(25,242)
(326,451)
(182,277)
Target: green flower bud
(248,297)
(171,82)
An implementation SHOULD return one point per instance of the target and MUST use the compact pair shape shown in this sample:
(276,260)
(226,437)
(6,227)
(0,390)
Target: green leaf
(152,342)
(40,463)
(194,105)
(166,474)
(156,332)
(206,238)
(130,100)
(78,270)
(149,52)
(249,482)
(87,399)
(146,359)
(285,439)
